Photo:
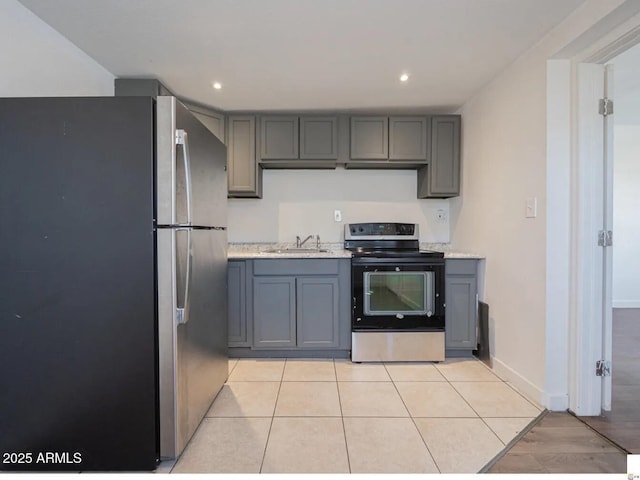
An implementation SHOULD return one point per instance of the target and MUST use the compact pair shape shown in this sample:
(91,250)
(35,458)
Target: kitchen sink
(297,250)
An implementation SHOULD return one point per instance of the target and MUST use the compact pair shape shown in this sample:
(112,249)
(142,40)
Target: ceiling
(308,54)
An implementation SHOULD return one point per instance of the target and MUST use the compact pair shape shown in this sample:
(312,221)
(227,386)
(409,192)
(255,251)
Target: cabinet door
(445,156)
(236,279)
(369,138)
(278,138)
(461,312)
(408,138)
(317,312)
(318,138)
(244,175)
(274,312)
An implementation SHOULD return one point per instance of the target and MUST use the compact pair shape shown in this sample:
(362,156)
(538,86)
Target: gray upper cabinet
(278,138)
(243,171)
(298,142)
(211,119)
(461,315)
(369,138)
(318,138)
(441,178)
(389,142)
(139,87)
(408,138)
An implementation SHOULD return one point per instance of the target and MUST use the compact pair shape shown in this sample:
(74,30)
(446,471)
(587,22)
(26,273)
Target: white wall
(302,202)
(626,212)
(35,60)
(626,179)
(504,162)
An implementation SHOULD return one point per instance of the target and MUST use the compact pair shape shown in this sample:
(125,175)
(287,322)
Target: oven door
(397,294)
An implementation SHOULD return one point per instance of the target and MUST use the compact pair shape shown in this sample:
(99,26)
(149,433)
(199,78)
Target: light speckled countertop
(334,250)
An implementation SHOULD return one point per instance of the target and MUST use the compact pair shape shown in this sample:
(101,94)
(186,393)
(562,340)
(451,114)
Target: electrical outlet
(441,216)
(337,215)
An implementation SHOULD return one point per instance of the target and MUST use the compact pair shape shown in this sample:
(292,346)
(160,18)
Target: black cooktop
(389,253)
(386,240)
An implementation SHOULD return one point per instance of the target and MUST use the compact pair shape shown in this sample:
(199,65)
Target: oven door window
(404,293)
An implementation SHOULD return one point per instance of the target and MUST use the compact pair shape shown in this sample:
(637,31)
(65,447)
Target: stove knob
(397,269)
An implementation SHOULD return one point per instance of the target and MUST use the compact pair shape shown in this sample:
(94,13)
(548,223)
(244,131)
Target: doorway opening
(621,422)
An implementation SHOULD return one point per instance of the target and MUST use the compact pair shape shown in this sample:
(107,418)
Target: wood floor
(560,443)
(622,423)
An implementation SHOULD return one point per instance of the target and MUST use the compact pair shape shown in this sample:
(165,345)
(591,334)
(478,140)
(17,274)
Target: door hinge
(605,107)
(179,137)
(603,368)
(605,238)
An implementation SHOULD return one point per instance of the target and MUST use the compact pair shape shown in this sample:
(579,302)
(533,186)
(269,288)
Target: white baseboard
(626,303)
(524,386)
(557,402)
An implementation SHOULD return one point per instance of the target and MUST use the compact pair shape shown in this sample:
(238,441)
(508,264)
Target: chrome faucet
(300,243)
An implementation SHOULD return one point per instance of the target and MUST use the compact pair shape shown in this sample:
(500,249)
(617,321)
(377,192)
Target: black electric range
(398,294)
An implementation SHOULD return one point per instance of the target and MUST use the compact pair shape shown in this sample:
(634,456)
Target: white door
(591,222)
(607,227)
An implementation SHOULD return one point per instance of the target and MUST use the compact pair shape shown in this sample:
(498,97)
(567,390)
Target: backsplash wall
(302,202)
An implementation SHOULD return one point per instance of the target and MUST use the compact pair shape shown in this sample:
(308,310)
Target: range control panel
(381,230)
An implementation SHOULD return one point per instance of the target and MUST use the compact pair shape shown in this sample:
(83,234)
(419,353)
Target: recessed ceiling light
(217,85)
(404,77)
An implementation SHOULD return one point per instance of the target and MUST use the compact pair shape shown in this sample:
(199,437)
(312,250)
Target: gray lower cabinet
(441,177)
(317,312)
(290,304)
(461,314)
(237,304)
(295,312)
(244,175)
(274,312)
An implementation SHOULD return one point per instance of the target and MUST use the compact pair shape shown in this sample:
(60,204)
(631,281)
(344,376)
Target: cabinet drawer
(295,267)
(461,266)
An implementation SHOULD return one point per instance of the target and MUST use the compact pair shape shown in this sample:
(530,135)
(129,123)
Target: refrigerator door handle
(183,139)
(182,311)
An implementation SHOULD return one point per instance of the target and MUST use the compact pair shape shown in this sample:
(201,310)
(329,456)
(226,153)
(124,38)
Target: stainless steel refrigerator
(113,315)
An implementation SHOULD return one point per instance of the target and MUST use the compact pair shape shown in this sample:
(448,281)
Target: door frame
(575,273)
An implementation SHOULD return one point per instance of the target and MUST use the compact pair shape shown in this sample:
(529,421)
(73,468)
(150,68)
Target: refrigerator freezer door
(207,157)
(193,355)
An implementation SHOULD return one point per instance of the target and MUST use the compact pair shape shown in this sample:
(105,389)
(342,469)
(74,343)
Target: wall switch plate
(531,208)
(337,215)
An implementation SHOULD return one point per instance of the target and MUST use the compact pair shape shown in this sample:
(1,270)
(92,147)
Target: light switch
(337,215)
(531,209)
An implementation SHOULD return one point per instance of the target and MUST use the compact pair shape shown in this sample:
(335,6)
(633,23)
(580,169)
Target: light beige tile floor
(334,416)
